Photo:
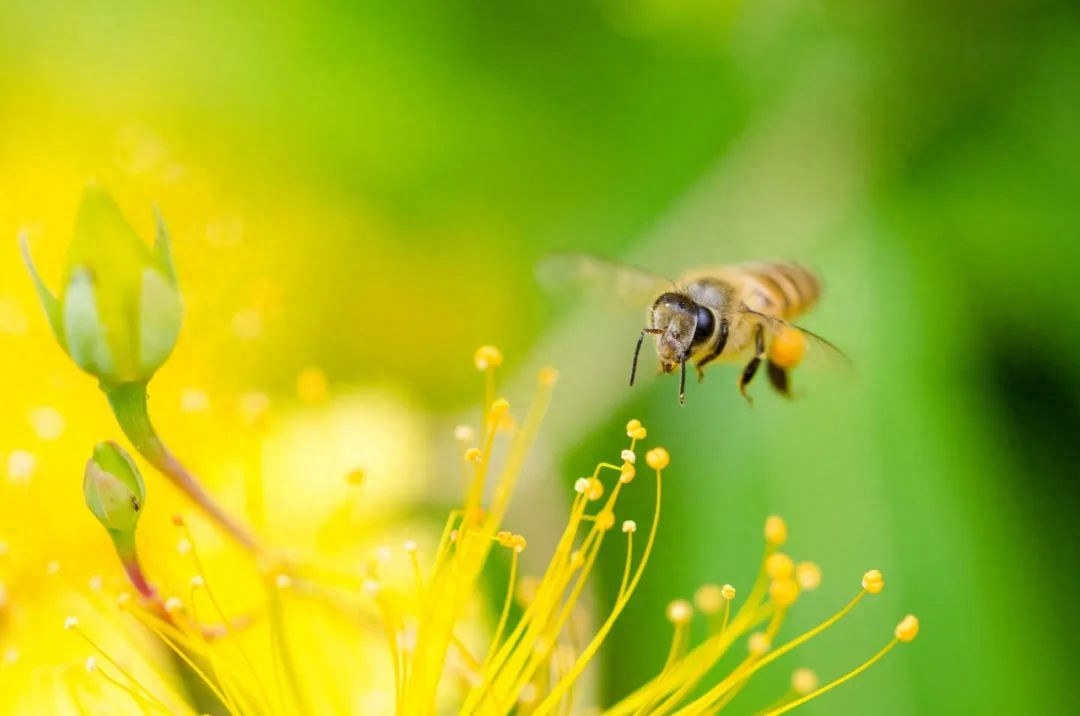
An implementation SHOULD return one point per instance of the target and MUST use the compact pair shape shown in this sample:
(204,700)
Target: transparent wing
(626,285)
(819,351)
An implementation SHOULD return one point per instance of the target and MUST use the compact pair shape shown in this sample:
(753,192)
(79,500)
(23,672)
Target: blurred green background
(400,170)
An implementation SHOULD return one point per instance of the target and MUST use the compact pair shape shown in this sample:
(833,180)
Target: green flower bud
(118,314)
(113,488)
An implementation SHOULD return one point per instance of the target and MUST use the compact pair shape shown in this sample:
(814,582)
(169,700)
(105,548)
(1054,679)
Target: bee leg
(751,368)
(778,377)
(721,341)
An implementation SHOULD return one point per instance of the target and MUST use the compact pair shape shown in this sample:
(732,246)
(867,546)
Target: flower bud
(118,314)
(113,488)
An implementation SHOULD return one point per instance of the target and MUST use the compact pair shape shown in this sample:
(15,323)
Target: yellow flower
(439,655)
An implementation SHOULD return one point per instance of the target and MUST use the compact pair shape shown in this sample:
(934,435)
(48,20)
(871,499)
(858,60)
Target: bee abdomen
(792,288)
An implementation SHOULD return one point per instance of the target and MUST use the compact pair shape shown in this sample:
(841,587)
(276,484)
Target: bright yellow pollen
(487,357)
(605,520)
(657,458)
(873,581)
(518,543)
(808,575)
(728,592)
(783,592)
(474,455)
(779,566)
(680,612)
(594,490)
(626,473)
(775,531)
(709,599)
(803,681)
(908,628)
(548,376)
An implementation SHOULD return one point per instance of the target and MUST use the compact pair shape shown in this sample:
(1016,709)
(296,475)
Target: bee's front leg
(721,342)
(751,368)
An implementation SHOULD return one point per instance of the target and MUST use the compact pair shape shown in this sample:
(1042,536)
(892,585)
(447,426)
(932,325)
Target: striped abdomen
(782,289)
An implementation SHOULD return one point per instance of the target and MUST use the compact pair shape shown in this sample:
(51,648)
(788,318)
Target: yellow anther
(628,456)
(657,458)
(758,643)
(633,426)
(779,566)
(594,490)
(464,434)
(803,681)
(548,376)
(473,455)
(808,575)
(639,434)
(499,407)
(487,357)
(728,592)
(581,484)
(709,599)
(518,543)
(873,581)
(503,537)
(626,473)
(355,477)
(783,592)
(629,526)
(775,531)
(908,628)
(605,520)
(680,612)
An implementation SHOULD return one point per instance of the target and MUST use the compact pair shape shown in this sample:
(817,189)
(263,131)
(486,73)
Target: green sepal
(49,302)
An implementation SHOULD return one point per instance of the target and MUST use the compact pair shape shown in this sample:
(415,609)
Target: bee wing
(820,351)
(628,285)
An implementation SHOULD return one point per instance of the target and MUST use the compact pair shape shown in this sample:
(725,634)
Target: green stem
(128,402)
(129,558)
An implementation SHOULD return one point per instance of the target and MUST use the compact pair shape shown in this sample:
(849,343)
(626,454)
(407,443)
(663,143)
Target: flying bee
(740,312)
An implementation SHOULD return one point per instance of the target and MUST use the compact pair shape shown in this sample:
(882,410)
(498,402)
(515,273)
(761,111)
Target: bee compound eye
(704,329)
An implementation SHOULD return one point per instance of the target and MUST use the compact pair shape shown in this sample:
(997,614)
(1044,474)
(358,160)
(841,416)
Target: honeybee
(729,313)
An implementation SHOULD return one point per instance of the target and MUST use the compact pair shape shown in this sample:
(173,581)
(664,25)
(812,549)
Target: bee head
(681,325)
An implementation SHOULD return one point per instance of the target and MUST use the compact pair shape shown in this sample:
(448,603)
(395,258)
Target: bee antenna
(682,382)
(637,351)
